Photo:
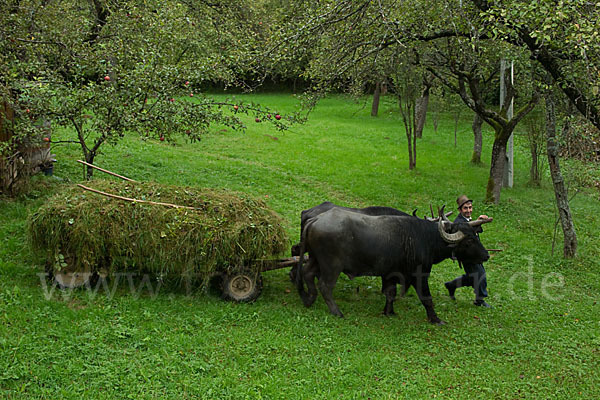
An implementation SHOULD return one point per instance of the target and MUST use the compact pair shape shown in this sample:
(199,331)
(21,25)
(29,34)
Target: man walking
(474,273)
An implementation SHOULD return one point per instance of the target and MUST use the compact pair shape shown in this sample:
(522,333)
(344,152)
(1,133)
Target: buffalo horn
(479,222)
(442,216)
(436,219)
(448,237)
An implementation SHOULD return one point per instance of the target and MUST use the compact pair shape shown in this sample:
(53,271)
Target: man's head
(465,206)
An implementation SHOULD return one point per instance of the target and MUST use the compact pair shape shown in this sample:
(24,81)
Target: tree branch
(542,53)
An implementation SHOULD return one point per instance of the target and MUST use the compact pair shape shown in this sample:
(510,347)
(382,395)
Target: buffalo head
(463,237)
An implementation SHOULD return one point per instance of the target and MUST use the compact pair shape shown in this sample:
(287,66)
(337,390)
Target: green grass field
(541,339)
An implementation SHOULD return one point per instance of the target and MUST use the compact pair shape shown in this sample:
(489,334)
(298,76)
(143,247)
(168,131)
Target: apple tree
(460,43)
(561,36)
(103,68)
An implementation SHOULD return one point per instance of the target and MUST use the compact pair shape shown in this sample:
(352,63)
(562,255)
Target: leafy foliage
(561,36)
(581,140)
(126,66)
(535,129)
(356,43)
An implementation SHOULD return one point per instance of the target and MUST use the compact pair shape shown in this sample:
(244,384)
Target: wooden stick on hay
(106,171)
(114,196)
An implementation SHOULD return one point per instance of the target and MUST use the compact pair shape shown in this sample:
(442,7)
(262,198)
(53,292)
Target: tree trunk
(560,192)
(436,120)
(412,143)
(566,129)
(411,163)
(376,95)
(478,139)
(408,117)
(7,116)
(534,171)
(414,164)
(456,119)
(89,171)
(421,112)
(494,185)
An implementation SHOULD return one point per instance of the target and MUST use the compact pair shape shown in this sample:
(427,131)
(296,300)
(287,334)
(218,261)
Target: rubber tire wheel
(67,278)
(243,287)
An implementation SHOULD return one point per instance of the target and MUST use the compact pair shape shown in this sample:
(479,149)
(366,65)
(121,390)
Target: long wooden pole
(106,171)
(508,178)
(114,196)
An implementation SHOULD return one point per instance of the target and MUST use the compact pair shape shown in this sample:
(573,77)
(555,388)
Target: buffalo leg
(310,273)
(406,284)
(326,289)
(388,288)
(327,281)
(421,282)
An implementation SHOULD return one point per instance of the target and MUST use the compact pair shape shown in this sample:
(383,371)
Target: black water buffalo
(388,285)
(374,211)
(327,205)
(394,247)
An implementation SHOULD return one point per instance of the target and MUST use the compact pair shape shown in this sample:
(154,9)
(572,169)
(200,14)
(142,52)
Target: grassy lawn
(541,339)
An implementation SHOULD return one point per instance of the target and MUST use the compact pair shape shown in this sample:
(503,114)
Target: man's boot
(481,303)
(452,285)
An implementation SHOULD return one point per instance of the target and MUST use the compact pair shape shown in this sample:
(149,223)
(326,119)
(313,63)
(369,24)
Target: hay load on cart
(179,233)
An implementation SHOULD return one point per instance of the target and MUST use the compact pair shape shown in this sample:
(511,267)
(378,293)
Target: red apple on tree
(235,107)
(277,117)
(257,119)
(46,139)
(107,78)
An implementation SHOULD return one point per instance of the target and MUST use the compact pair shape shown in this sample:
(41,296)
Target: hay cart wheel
(242,286)
(69,278)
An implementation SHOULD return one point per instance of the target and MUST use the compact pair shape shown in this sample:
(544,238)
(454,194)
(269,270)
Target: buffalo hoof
(451,289)
(307,299)
(389,313)
(308,302)
(437,321)
(304,298)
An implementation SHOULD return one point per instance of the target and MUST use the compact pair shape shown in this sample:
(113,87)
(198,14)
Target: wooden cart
(242,284)
(238,283)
